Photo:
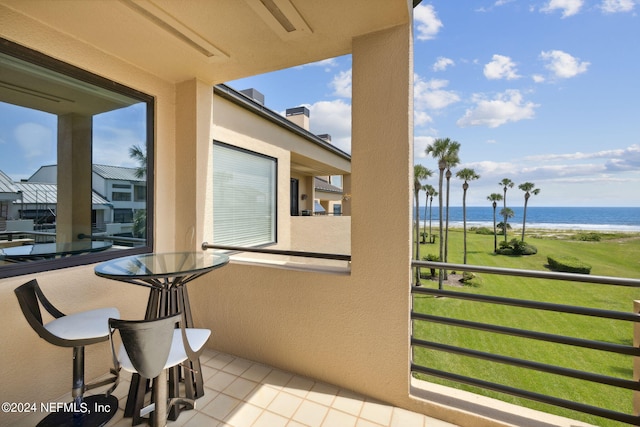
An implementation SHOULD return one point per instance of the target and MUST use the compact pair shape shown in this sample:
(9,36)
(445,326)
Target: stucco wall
(30,368)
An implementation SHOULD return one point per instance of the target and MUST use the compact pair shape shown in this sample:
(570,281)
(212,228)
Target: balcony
(242,393)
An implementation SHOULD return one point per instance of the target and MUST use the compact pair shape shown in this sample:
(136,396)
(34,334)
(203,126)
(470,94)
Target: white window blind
(244,197)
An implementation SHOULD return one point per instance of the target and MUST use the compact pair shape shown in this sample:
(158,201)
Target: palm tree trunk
(464,224)
(417,237)
(495,234)
(505,217)
(430,216)
(524,214)
(441,272)
(446,230)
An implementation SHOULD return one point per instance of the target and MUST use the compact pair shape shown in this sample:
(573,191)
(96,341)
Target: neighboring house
(268,170)
(117,195)
(8,193)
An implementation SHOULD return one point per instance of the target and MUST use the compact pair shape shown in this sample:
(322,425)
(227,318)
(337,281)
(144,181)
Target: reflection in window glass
(74,164)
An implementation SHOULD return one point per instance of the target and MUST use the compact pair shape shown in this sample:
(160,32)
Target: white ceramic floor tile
(240,388)
(404,418)
(377,412)
(323,393)
(256,372)
(220,407)
(262,396)
(285,404)
(243,415)
(299,386)
(336,418)
(269,419)
(277,378)
(348,402)
(237,366)
(311,414)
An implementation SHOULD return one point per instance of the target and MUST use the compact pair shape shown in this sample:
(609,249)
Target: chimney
(299,116)
(254,95)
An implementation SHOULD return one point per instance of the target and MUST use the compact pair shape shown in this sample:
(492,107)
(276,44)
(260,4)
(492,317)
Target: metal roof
(42,193)
(6,184)
(117,173)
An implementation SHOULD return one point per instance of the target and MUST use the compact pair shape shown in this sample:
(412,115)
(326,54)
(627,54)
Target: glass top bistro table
(165,274)
(40,251)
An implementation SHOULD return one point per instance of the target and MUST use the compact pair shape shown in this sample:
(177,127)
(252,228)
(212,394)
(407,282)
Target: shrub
(431,257)
(568,264)
(484,230)
(587,237)
(516,247)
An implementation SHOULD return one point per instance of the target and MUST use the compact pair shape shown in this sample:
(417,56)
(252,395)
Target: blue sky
(540,91)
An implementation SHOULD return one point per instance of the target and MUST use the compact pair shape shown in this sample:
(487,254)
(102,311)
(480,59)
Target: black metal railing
(304,254)
(632,350)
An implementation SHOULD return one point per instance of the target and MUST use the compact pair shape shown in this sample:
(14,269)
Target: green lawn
(608,257)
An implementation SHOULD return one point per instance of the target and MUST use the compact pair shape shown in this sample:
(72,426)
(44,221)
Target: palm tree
(430,193)
(452,160)
(140,215)
(506,213)
(419,173)
(506,183)
(136,153)
(467,175)
(529,188)
(442,149)
(494,198)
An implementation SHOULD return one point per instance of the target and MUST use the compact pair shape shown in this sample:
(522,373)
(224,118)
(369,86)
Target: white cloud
(420,145)
(500,67)
(568,7)
(537,78)
(506,107)
(421,118)
(35,140)
(442,63)
(328,64)
(427,23)
(563,65)
(334,118)
(432,94)
(341,84)
(616,6)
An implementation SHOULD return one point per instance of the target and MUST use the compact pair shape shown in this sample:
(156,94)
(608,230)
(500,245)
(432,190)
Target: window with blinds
(244,197)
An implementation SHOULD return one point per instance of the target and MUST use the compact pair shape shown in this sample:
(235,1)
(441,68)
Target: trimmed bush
(483,230)
(568,264)
(516,247)
(587,237)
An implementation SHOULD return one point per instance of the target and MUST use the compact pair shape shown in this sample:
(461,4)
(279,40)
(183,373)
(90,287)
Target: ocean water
(556,218)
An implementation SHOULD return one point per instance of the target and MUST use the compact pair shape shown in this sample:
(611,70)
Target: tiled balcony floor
(241,393)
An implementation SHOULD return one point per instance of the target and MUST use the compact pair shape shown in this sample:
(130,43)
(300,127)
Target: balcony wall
(325,234)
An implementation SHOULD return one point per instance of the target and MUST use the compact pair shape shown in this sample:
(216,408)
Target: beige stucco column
(73,212)
(382,140)
(194,106)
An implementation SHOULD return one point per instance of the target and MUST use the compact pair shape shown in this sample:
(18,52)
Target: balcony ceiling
(216,40)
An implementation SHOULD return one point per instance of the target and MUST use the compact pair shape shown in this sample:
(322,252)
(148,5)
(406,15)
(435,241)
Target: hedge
(568,264)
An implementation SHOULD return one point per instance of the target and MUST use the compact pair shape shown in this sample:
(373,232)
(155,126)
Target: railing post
(636,359)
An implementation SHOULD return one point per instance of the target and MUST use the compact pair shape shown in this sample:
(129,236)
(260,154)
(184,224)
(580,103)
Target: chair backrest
(147,342)
(30,297)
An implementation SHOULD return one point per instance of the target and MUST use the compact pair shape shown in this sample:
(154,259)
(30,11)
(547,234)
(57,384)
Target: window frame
(34,57)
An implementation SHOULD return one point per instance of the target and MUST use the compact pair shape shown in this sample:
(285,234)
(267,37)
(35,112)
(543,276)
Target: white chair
(149,348)
(73,330)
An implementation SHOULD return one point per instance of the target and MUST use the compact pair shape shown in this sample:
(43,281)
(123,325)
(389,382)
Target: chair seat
(83,325)
(196,337)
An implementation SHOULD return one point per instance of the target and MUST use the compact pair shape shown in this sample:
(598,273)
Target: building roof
(47,194)
(117,173)
(322,185)
(6,184)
